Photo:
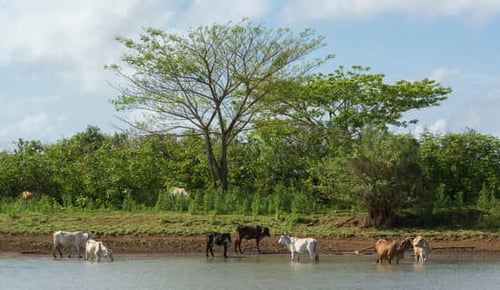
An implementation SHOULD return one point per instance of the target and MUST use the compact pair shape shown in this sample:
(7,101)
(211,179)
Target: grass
(153,222)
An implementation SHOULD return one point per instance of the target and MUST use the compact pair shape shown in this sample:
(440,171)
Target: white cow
(421,249)
(95,251)
(299,246)
(178,191)
(72,240)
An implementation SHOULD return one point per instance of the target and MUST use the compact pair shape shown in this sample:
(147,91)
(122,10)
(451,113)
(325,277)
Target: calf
(389,250)
(219,239)
(95,251)
(421,249)
(249,233)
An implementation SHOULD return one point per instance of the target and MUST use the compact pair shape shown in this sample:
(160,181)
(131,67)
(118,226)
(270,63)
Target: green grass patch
(154,222)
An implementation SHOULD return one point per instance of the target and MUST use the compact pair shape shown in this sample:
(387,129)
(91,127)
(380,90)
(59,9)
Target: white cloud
(438,127)
(32,127)
(473,10)
(480,112)
(202,12)
(77,37)
(442,74)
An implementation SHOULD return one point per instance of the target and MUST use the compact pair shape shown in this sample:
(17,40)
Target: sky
(52,54)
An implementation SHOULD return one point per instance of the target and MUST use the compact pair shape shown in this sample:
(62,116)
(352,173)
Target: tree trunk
(218,168)
(381,217)
(223,169)
(212,162)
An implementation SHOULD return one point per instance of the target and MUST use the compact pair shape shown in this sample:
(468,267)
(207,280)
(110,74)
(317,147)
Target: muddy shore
(483,247)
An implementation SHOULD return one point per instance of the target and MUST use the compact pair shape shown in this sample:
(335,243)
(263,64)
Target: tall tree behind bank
(213,80)
(334,116)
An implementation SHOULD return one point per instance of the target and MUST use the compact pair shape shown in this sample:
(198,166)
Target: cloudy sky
(52,53)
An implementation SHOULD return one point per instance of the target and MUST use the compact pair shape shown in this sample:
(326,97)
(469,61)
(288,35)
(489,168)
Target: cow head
(406,244)
(226,239)
(265,232)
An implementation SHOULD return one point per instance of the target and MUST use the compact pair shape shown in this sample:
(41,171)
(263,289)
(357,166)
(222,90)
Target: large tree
(211,79)
(346,101)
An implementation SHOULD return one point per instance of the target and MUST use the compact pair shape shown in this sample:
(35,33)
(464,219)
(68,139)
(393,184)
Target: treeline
(394,178)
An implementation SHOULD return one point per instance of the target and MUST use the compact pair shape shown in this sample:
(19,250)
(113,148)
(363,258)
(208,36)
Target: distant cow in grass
(219,239)
(178,191)
(391,250)
(249,233)
(30,195)
(72,240)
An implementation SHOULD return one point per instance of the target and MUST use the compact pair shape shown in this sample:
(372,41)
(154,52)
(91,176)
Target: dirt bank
(484,247)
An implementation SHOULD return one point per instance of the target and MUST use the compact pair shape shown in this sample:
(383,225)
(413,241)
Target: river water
(253,272)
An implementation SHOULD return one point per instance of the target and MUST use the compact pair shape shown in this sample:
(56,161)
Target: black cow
(249,233)
(219,239)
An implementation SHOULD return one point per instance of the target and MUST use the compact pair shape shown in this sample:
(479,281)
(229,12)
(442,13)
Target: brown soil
(484,247)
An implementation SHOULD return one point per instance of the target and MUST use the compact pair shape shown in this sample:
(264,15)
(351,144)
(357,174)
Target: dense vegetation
(232,113)
(436,180)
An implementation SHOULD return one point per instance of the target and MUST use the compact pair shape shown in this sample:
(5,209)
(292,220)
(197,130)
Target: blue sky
(52,53)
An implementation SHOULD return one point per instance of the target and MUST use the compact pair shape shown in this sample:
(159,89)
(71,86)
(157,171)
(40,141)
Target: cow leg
(70,251)
(210,245)
(258,241)
(237,245)
(54,251)
(225,251)
(59,250)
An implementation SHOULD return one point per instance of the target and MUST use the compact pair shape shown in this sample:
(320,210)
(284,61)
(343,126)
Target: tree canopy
(211,80)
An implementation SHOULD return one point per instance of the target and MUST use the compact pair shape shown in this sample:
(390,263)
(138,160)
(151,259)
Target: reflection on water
(255,272)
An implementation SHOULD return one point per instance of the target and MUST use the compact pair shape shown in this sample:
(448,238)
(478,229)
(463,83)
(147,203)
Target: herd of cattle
(385,250)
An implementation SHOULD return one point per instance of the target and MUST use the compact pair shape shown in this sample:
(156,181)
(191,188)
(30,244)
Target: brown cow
(391,250)
(249,233)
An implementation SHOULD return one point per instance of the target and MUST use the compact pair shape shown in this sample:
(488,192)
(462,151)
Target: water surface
(254,272)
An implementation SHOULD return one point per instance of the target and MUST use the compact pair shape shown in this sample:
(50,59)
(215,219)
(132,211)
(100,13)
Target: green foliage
(211,80)
(388,168)
(461,168)
(349,101)
(237,121)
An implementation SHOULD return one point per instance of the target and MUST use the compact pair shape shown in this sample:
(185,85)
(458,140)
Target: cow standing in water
(249,233)
(299,246)
(72,240)
(219,239)
(421,249)
(95,251)
(391,250)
